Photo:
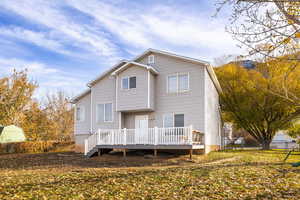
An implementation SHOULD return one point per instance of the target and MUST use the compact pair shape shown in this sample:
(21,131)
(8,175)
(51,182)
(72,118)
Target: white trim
(148,89)
(151,59)
(81,113)
(120,120)
(91,128)
(104,120)
(81,95)
(177,82)
(117,88)
(148,67)
(128,77)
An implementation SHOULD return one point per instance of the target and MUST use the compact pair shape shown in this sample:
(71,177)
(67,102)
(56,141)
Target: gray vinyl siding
(135,98)
(129,119)
(212,114)
(83,127)
(190,103)
(104,92)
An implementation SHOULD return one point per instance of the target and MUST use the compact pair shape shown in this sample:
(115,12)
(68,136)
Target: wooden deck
(184,138)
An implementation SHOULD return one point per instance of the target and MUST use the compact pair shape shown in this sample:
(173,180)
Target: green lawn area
(220,175)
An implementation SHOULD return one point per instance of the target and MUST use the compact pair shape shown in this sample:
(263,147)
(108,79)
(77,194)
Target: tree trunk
(265,145)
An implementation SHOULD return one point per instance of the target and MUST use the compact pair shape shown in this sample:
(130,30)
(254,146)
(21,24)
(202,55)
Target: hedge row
(32,147)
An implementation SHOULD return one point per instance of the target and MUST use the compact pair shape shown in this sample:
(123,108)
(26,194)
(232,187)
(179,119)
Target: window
(104,112)
(178,83)
(129,82)
(179,120)
(168,120)
(125,84)
(80,113)
(151,59)
(173,120)
(172,84)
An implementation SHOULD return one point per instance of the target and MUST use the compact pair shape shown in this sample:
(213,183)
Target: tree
(36,124)
(247,102)
(269,28)
(60,112)
(15,94)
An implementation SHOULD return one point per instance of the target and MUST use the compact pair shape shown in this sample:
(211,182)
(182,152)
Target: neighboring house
(281,140)
(158,100)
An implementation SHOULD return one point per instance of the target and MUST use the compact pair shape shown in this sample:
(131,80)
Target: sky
(66,43)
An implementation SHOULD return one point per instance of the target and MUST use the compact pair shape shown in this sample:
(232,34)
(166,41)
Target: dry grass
(220,175)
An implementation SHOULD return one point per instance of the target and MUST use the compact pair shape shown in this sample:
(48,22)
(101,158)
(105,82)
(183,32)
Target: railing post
(190,136)
(99,139)
(86,143)
(125,136)
(155,135)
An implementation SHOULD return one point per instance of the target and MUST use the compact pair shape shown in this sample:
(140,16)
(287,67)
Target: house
(158,100)
(282,140)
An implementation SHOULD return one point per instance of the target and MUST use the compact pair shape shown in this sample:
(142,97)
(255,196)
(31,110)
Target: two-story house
(158,100)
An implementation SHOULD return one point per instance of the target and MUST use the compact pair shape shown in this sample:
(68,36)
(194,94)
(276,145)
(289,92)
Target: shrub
(32,146)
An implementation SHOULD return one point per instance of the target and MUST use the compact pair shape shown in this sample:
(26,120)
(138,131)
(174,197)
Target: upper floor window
(80,113)
(178,83)
(104,112)
(151,59)
(129,82)
(173,120)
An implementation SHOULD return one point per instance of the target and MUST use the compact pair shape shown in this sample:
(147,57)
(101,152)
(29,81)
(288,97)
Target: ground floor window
(173,120)
(104,112)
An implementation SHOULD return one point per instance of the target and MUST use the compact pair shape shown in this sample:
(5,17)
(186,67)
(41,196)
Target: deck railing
(150,136)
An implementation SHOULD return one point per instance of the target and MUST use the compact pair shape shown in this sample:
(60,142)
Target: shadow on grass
(72,159)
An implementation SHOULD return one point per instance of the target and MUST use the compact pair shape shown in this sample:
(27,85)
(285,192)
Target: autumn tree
(268,29)
(36,124)
(15,94)
(247,102)
(60,112)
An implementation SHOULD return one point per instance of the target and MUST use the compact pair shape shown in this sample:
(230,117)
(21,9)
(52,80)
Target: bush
(32,146)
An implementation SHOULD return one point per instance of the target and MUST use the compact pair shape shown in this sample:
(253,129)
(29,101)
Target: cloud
(51,15)
(49,78)
(162,27)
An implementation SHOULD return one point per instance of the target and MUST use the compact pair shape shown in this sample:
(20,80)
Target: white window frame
(173,115)
(81,110)
(112,113)
(177,82)
(128,81)
(151,59)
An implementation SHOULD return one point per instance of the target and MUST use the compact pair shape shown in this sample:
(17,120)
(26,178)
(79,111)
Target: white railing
(150,136)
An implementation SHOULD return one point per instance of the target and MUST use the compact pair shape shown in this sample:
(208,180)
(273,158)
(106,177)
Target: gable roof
(128,63)
(209,68)
(81,95)
(124,63)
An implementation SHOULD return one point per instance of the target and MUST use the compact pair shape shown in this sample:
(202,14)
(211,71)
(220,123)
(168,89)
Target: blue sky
(66,43)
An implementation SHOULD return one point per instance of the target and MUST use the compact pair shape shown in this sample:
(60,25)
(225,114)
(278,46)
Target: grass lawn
(220,175)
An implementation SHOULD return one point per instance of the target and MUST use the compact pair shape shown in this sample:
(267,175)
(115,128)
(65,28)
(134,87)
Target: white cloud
(162,27)
(49,78)
(50,14)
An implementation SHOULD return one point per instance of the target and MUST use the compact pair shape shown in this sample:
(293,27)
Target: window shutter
(179,120)
(100,112)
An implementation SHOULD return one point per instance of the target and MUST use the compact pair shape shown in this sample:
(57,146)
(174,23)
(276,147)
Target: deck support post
(155,152)
(124,153)
(191,154)
(99,152)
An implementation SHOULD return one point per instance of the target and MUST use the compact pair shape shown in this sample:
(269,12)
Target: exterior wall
(79,142)
(212,116)
(104,92)
(83,127)
(129,119)
(135,98)
(190,103)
